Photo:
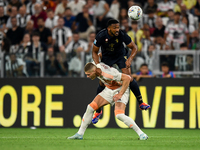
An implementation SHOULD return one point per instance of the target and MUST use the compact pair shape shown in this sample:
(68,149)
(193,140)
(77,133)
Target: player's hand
(116,97)
(128,64)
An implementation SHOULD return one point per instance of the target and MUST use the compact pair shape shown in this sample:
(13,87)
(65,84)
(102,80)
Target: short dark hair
(183,45)
(177,13)
(112,21)
(67,8)
(40,18)
(134,22)
(164,64)
(144,64)
(35,34)
(49,10)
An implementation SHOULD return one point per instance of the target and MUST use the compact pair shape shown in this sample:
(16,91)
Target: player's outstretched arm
(126,81)
(95,56)
(134,50)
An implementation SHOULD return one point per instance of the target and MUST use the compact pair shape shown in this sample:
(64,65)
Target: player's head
(90,70)
(113,27)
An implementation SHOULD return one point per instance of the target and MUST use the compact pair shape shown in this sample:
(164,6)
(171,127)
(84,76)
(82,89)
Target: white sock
(129,122)
(87,118)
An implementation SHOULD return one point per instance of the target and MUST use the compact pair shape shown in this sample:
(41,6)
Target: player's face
(114,29)
(92,75)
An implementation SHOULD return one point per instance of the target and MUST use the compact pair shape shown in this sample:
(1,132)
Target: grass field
(98,139)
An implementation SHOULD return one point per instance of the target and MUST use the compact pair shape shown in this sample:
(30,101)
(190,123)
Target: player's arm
(95,56)
(125,84)
(134,49)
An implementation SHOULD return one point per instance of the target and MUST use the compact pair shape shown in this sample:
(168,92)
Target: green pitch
(98,139)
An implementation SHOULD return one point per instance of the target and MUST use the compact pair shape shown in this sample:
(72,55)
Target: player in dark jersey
(113,52)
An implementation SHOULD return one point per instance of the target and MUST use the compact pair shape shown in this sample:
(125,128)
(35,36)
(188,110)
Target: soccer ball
(135,12)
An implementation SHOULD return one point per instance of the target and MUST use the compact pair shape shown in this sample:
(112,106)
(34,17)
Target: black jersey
(112,47)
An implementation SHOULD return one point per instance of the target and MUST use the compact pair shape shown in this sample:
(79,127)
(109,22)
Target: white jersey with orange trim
(110,76)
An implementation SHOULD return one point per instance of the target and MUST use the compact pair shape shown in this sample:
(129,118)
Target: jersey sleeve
(127,39)
(97,41)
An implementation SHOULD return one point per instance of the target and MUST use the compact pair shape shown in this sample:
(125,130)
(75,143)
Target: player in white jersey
(116,92)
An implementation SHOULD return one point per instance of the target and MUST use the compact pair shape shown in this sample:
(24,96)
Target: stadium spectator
(85,23)
(68,18)
(15,3)
(15,67)
(182,3)
(190,27)
(48,4)
(88,52)
(33,57)
(29,28)
(3,19)
(90,6)
(150,5)
(5,44)
(123,15)
(39,13)
(183,62)
(166,71)
(136,34)
(160,28)
(101,12)
(52,20)
(170,59)
(14,13)
(60,8)
(62,65)
(170,18)
(114,9)
(62,52)
(146,39)
(136,63)
(75,65)
(15,34)
(163,7)
(150,19)
(76,45)
(150,57)
(176,32)
(23,18)
(76,6)
(50,64)
(45,33)
(143,73)
(197,10)
(24,47)
(195,40)
(61,35)
(187,14)
(30,8)
(159,42)
(125,25)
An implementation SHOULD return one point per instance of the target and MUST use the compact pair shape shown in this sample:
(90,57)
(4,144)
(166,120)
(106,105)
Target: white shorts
(108,94)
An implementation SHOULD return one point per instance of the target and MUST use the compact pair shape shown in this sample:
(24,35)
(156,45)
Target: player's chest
(112,44)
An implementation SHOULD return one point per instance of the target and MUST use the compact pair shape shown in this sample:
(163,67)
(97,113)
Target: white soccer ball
(135,12)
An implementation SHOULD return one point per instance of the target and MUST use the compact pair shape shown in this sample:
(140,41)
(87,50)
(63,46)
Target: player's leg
(136,91)
(98,102)
(98,112)
(120,114)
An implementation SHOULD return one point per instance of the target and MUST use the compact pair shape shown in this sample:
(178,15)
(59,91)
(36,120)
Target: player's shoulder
(122,32)
(101,33)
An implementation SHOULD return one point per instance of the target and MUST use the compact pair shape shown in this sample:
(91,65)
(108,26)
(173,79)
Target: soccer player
(113,52)
(116,92)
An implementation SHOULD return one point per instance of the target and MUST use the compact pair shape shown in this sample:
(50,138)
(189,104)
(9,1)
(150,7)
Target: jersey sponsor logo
(95,41)
(117,40)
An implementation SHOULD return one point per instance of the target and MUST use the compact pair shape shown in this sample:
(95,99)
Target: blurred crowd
(65,31)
